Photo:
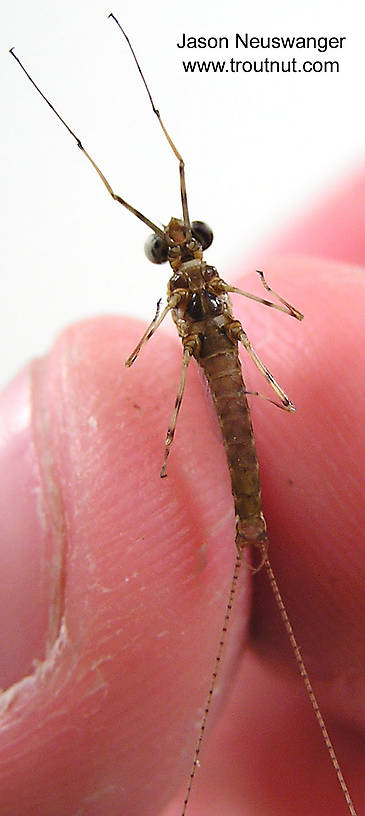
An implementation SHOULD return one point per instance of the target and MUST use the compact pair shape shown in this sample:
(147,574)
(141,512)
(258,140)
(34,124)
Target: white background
(258,148)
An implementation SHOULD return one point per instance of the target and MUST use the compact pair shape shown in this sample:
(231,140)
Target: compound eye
(202,233)
(156,249)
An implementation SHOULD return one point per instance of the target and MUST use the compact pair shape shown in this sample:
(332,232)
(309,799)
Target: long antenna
(184,200)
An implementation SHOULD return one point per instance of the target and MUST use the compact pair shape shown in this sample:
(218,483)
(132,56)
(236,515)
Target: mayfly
(199,302)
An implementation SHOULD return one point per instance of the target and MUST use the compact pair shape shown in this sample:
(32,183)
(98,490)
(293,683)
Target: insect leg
(236,332)
(285,401)
(155,323)
(114,195)
(286,307)
(291,309)
(184,200)
(189,346)
(263,396)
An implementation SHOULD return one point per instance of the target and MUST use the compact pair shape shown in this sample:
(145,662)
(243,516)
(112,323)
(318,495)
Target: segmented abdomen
(218,357)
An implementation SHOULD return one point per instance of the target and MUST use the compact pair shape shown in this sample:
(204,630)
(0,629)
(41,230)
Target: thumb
(103,579)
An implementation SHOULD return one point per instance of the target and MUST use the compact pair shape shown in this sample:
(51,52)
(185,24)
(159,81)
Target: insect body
(198,299)
(202,312)
(210,333)
(201,309)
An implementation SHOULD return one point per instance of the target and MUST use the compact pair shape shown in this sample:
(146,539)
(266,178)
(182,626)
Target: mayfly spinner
(199,302)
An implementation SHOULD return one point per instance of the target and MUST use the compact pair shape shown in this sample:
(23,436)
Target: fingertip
(131,661)
(25,553)
(331,228)
(311,481)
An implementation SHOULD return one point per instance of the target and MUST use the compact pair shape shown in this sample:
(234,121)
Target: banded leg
(291,309)
(188,351)
(155,323)
(285,401)
(286,307)
(184,200)
(236,332)
(268,399)
(137,213)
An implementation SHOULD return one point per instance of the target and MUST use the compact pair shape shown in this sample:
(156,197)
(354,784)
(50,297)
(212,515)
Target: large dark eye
(156,249)
(202,233)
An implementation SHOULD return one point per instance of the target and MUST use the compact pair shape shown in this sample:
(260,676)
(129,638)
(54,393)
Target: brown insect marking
(199,302)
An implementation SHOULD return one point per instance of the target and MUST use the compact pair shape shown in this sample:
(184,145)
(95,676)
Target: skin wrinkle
(24,688)
(176,598)
(52,503)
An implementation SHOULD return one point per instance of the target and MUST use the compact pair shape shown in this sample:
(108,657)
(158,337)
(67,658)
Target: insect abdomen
(219,359)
